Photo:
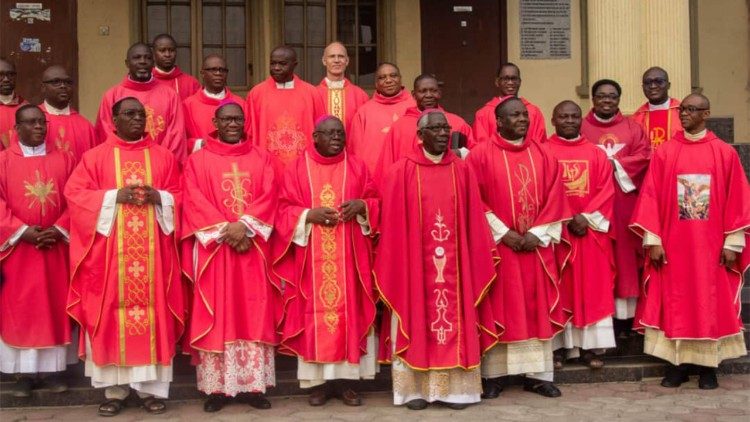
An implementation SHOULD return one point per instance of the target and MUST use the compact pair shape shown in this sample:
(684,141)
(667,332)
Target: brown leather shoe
(319,396)
(351,398)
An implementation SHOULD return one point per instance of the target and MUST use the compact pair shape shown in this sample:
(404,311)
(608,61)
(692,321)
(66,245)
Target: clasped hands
(578,225)
(658,257)
(41,238)
(138,195)
(327,216)
(525,243)
(235,235)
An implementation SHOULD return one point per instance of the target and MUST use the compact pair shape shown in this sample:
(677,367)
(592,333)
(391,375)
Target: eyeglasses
(132,114)
(34,122)
(606,96)
(691,109)
(655,81)
(229,119)
(438,128)
(509,78)
(8,74)
(59,82)
(216,70)
(331,133)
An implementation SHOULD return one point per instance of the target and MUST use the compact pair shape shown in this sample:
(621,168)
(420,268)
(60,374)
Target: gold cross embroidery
(234,182)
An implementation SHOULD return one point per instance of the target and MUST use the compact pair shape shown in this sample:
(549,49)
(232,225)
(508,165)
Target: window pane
(183,59)
(235,29)
(315,70)
(316,25)
(368,25)
(156,21)
(368,62)
(345,24)
(293,25)
(180,24)
(237,67)
(300,69)
(212,25)
(212,50)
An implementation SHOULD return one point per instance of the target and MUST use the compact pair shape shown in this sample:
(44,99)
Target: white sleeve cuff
(547,233)
(198,145)
(210,235)
(463,152)
(497,227)
(64,232)
(735,241)
(107,213)
(597,221)
(302,230)
(622,177)
(650,239)
(364,224)
(165,212)
(15,238)
(256,226)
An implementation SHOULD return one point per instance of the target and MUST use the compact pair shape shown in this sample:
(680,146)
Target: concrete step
(617,369)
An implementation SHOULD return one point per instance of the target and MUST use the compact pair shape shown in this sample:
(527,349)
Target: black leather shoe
(456,406)
(707,378)
(543,388)
(490,388)
(675,376)
(258,401)
(215,402)
(23,386)
(416,404)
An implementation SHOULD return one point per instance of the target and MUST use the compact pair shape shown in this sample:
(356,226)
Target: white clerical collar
(164,72)
(151,78)
(663,106)
(29,151)
(57,111)
(434,158)
(7,99)
(219,96)
(602,120)
(285,85)
(695,136)
(334,84)
(572,139)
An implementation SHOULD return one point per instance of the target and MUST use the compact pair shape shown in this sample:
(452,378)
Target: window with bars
(200,28)
(309,25)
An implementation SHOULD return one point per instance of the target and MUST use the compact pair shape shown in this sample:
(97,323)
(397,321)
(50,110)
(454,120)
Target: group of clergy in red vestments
(240,227)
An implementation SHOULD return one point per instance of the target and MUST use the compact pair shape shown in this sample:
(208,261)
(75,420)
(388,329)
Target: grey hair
(422,122)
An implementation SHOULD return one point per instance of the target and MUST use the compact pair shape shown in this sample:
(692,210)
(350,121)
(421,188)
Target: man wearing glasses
(629,151)
(68,131)
(10,101)
(660,116)
(201,106)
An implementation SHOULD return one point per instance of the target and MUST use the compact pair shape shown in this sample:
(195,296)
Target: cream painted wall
(408,37)
(101,58)
(724,60)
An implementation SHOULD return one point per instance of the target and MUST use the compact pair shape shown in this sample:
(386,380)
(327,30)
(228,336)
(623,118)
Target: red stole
(283,120)
(199,114)
(694,194)
(234,295)
(659,125)
(164,118)
(71,134)
(372,123)
(435,263)
(588,276)
(8,120)
(32,304)
(521,185)
(329,291)
(343,102)
(485,122)
(183,84)
(126,290)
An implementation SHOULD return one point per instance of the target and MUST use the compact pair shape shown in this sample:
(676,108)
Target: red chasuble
(185,85)
(329,289)
(71,134)
(485,122)
(402,138)
(588,276)
(8,120)
(283,120)
(695,193)
(522,186)
(435,263)
(659,125)
(35,281)
(234,297)
(126,291)
(199,114)
(372,123)
(625,141)
(343,103)
(164,119)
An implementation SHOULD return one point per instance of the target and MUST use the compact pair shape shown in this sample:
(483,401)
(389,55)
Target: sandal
(111,407)
(591,360)
(154,406)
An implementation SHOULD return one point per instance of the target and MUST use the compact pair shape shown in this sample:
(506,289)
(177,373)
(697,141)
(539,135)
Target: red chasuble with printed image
(588,276)
(522,186)
(71,134)
(343,102)
(660,125)
(695,193)
(234,297)
(126,291)
(485,122)
(35,281)
(435,264)
(329,289)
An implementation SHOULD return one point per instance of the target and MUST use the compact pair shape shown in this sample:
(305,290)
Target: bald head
(7,77)
(700,100)
(695,109)
(283,62)
(57,86)
(501,110)
(335,60)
